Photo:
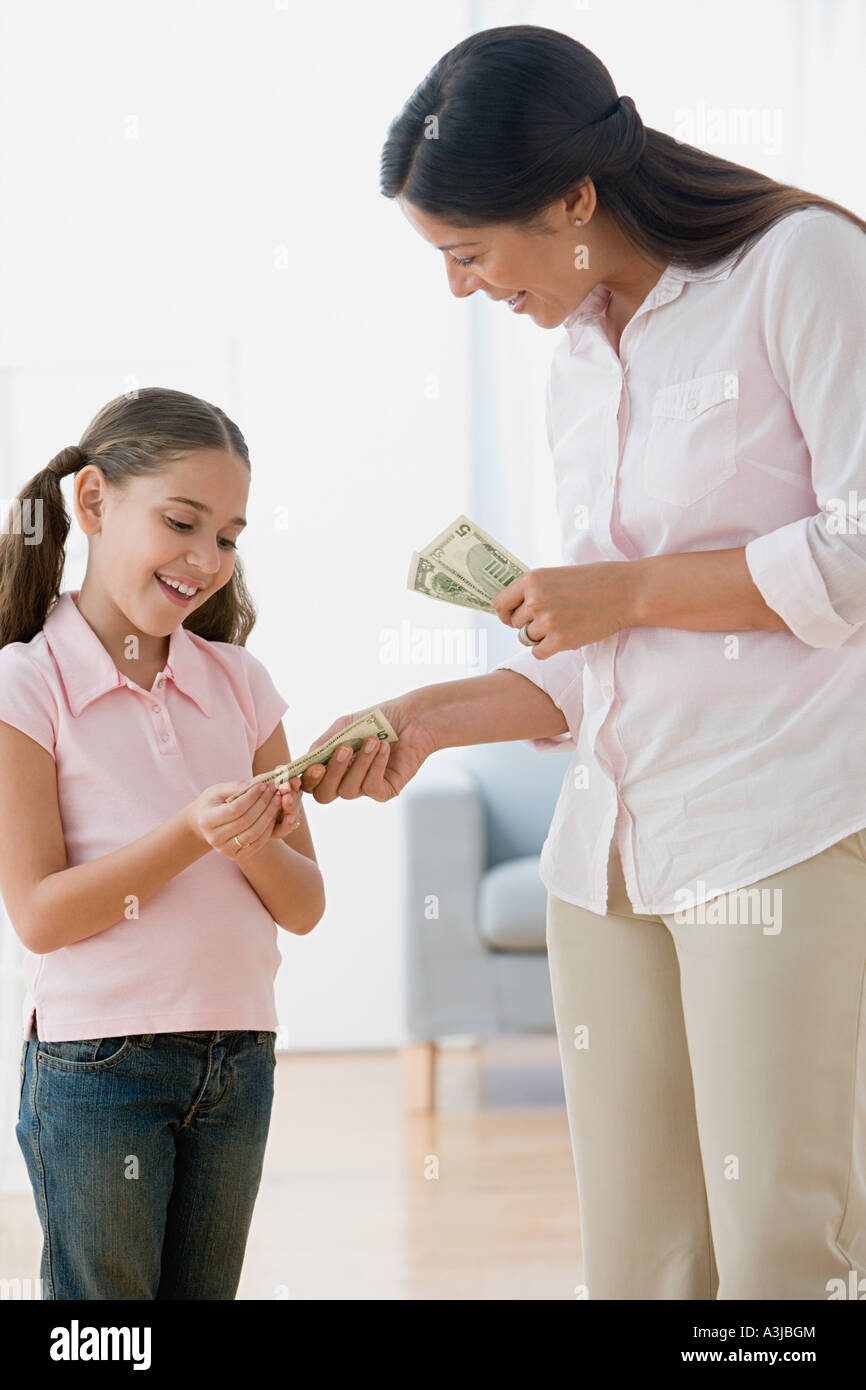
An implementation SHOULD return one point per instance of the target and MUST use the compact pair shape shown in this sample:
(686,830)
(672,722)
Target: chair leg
(419,1077)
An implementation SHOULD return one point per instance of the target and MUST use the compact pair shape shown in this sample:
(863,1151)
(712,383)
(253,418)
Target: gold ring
(238,842)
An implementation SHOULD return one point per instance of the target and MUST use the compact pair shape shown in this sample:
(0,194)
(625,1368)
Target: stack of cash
(356,733)
(465,566)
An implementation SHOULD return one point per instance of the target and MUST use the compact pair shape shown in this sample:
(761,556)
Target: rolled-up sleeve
(812,571)
(561,677)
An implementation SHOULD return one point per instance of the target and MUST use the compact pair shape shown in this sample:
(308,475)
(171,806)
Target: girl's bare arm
(52,905)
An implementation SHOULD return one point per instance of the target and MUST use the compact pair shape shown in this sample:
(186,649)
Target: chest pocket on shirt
(691,449)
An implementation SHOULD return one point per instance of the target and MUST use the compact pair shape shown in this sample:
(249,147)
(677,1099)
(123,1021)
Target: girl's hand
(570,606)
(381,773)
(253,818)
(289,817)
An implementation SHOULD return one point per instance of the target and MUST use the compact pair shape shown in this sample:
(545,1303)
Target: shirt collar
(88,671)
(670,284)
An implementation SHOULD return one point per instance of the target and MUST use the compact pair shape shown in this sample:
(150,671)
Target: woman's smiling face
(504,259)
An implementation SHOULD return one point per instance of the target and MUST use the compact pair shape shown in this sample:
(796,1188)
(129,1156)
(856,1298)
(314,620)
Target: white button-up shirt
(735,414)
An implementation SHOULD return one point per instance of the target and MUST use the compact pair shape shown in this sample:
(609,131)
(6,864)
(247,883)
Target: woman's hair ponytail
(132,435)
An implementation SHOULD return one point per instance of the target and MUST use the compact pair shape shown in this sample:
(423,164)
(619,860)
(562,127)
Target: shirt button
(692,405)
(164,738)
(608,691)
(155,708)
(609,480)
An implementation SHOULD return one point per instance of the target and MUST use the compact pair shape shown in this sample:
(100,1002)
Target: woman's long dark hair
(513,118)
(143,432)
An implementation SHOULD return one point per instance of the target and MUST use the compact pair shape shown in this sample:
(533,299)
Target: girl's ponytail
(69,460)
(33,549)
(136,434)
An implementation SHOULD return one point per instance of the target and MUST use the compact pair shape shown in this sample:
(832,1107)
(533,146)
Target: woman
(701,649)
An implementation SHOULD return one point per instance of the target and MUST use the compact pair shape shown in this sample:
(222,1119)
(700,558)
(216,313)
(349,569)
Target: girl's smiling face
(182,522)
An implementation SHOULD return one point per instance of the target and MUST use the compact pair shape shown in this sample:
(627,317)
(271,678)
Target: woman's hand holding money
(379,769)
(569,606)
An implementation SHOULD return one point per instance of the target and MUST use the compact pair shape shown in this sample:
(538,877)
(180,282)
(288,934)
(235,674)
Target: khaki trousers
(715,1081)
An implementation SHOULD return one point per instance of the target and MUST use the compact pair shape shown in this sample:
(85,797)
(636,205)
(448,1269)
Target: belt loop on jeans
(147,1039)
(260,1037)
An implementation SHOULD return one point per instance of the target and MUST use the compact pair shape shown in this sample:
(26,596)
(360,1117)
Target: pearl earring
(578,221)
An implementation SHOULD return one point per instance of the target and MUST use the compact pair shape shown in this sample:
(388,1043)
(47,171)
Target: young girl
(130,710)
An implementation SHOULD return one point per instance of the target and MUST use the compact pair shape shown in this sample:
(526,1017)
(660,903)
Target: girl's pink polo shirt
(201,952)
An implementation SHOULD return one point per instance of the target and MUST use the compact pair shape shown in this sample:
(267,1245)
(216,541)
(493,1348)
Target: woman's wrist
(499,707)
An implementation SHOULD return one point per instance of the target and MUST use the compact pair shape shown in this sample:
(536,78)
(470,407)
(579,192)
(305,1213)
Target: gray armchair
(473,822)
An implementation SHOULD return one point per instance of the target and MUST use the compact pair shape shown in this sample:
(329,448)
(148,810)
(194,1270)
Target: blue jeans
(145,1156)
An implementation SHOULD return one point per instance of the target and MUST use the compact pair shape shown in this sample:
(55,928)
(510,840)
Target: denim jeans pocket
(87,1054)
(22,1071)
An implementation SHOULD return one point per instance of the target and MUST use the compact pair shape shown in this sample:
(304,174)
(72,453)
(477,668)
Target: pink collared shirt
(201,952)
(733,416)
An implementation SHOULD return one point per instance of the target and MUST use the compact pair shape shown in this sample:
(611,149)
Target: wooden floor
(346,1209)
